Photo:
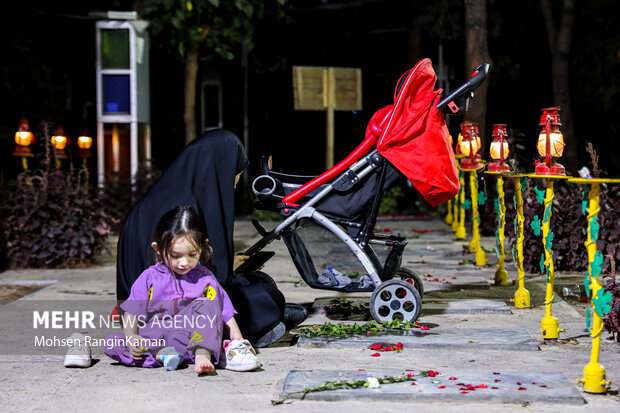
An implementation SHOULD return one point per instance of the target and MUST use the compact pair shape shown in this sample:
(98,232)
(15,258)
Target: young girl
(177,311)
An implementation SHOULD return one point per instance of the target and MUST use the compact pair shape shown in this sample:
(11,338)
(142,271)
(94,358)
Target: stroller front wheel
(395,300)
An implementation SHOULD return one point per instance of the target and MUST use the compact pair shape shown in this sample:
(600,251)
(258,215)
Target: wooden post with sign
(329,89)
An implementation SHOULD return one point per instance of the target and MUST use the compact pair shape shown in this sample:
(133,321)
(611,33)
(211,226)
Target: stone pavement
(476,337)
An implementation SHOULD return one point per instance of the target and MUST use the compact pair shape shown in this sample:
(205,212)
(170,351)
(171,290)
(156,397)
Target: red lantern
(550,143)
(499,149)
(469,146)
(23,139)
(60,141)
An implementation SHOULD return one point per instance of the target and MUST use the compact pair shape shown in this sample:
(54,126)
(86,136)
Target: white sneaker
(240,356)
(79,354)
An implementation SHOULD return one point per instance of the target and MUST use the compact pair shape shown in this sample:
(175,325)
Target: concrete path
(40,382)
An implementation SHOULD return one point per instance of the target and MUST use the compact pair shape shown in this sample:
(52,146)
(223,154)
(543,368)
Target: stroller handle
(477,78)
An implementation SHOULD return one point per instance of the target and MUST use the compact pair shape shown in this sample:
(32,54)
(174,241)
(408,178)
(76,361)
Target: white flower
(373,382)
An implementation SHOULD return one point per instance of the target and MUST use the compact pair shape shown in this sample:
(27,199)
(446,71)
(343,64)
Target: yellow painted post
(594,380)
(455,213)
(522,295)
(481,256)
(24,163)
(549,325)
(501,276)
(449,219)
(461,233)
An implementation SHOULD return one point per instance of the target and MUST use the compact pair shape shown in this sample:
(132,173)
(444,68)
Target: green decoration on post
(497,208)
(586,283)
(482,198)
(588,319)
(549,242)
(584,203)
(542,263)
(594,228)
(535,224)
(602,302)
(547,214)
(523,180)
(597,264)
(540,195)
(467,204)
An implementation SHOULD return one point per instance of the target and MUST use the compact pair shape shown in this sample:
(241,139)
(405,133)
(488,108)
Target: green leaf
(549,240)
(535,224)
(594,229)
(597,264)
(540,195)
(602,302)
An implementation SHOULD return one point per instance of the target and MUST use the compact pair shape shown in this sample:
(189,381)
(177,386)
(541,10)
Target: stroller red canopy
(414,136)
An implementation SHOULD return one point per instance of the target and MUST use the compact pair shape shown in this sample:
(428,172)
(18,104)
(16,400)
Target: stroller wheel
(395,300)
(412,278)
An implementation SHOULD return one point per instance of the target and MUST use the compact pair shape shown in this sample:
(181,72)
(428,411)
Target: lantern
(499,149)
(550,143)
(84,143)
(469,147)
(23,139)
(60,141)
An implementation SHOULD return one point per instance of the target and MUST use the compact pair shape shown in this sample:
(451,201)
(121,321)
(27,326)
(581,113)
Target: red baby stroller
(329,222)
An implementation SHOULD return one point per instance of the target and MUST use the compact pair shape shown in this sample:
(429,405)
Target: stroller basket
(315,250)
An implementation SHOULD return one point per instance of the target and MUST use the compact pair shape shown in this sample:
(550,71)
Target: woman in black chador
(204,176)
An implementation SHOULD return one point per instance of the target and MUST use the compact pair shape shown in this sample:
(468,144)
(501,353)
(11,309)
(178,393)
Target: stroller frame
(390,298)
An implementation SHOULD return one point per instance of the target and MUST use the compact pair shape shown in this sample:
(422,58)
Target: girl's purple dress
(183,311)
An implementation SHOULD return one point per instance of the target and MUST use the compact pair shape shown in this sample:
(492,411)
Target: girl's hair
(183,221)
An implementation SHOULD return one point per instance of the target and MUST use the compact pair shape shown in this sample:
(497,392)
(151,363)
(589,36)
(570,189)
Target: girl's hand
(136,345)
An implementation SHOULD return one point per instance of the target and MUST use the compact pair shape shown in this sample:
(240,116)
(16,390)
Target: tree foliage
(215,28)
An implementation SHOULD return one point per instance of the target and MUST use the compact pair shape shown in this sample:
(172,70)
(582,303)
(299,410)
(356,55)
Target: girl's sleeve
(138,298)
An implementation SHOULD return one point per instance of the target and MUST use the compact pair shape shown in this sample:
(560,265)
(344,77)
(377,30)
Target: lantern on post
(23,139)
(550,143)
(60,142)
(84,143)
(469,147)
(499,150)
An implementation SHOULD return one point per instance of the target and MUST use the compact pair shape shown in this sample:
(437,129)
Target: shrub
(51,218)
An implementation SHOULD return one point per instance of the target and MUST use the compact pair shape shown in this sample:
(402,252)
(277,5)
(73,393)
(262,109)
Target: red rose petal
(519,383)
(413,383)
(543,385)
(442,387)
(361,370)
(410,374)
(368,333)
(522,388)
(497,380)
(481,386)
(375,347)
(495,388)
(453,378)
(375,355)
(496,372)
(464,392)
(431,373)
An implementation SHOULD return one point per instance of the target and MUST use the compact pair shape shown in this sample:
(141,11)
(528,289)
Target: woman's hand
(238,260)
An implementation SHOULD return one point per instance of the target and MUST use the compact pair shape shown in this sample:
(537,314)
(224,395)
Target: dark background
(47,72)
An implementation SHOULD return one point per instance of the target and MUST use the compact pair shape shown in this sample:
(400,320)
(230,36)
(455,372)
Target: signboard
(329,89)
